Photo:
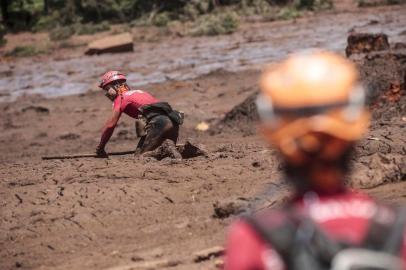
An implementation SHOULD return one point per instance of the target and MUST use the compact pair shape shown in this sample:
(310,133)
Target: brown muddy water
(186,58)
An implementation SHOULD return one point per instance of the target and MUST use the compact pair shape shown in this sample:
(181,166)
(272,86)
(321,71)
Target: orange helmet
(307,96)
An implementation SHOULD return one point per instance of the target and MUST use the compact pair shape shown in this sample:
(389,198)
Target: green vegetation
(61,33)
(91,28)
(288,13)
(65,32)
(64,18)
(162,19)
(25,51)
(215,24)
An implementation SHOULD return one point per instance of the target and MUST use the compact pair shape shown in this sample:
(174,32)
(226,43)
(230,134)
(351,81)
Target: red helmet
(111,76)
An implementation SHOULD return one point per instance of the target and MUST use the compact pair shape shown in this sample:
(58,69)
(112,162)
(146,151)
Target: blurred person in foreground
(161,122)
(312,110)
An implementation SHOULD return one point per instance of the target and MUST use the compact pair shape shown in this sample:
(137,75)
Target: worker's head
(114,84)
(311,108)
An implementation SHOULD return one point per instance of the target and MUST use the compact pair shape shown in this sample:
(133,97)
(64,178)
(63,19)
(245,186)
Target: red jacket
(342,217)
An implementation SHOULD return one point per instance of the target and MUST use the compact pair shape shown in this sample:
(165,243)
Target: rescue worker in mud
(162,122)
(311,108)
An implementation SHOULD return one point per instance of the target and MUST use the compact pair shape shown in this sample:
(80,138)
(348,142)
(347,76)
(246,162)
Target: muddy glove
(140,124)
(101,153)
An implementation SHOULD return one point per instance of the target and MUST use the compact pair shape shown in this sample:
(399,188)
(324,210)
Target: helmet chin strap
(110,97)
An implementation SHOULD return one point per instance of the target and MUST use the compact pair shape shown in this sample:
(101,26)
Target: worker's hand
(101,153)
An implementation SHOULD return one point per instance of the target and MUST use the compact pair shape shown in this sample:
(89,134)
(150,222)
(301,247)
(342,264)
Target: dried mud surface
(142,213)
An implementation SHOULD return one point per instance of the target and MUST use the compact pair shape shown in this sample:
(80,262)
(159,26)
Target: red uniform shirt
(131,101)
(343,217)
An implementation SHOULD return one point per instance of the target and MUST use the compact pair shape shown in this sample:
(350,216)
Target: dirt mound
(382,71)
(241,118)
(380,157)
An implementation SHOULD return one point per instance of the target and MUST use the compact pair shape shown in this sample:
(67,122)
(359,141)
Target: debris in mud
(208,254)
(69,136)
(38,109)
(202,126)
(256,164)
(183,151)
(191,150)
(226,208)
(148,265)
(365,43)
(111,44)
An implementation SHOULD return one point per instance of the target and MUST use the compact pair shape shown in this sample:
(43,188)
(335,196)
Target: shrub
(288,13)
(61,33)
(45,23)
(25,51)
(216,24)
(161,19)
(90,28)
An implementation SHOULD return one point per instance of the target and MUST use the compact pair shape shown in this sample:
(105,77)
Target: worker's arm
(108,130)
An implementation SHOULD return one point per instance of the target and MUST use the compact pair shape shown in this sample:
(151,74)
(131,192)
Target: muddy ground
(125,212)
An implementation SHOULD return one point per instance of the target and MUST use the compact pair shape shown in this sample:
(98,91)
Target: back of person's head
(311,108)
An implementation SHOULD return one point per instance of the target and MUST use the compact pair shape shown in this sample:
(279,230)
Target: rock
(191,150)
(207,254)
(365,43)
(111,44)
(226,208)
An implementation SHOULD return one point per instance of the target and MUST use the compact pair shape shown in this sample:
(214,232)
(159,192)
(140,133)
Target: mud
(69,72)
(132,212)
